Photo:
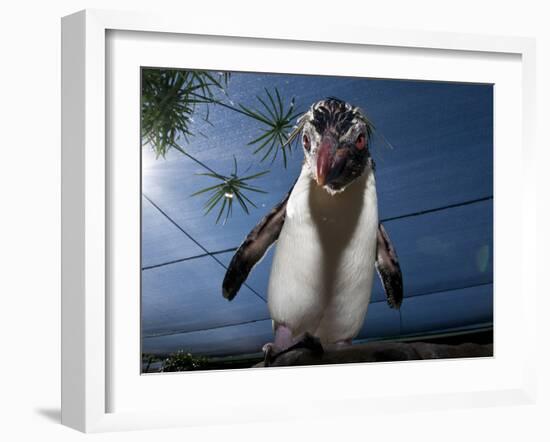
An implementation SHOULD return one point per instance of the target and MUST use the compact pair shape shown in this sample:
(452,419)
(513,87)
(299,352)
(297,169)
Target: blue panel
(443,140)
(441,133)
(172,182)
(258,279)
(442,156)
(447,310)
(161,241)
(235,340)
(469,307)
(381,322)
(187,296)
(443,250)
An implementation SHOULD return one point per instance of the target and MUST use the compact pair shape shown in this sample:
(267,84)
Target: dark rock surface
(381,352)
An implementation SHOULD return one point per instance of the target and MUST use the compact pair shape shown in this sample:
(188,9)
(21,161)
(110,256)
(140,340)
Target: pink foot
(338,345)
(343,343)
(284,342)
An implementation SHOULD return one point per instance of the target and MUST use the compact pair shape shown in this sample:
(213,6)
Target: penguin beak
(331,160)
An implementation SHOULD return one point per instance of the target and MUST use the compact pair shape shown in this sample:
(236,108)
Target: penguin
(329,239)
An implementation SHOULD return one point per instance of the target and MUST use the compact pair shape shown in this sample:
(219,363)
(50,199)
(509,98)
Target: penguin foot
(274,356)
(339,345)
(270,353)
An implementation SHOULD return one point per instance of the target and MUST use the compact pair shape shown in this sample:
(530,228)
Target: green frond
(276,121)
(169,101)
(227,189)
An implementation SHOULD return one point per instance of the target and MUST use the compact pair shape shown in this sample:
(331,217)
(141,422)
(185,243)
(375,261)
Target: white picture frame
(86,207)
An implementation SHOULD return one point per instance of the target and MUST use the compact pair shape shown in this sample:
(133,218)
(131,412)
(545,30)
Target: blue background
(435,191)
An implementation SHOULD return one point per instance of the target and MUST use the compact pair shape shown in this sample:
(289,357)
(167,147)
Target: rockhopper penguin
(329,237)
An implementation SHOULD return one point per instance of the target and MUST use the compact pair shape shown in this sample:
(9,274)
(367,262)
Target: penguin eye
(360,142)
(307,144)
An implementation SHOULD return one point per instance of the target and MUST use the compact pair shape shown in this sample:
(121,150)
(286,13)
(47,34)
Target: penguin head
(335,139)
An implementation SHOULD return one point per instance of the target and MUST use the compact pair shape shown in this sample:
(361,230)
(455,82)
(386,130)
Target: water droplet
(482,258)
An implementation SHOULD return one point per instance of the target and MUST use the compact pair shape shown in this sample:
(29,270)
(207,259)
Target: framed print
(214,290)
(188,151)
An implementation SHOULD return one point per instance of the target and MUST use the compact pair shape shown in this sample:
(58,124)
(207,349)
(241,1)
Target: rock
(381,352)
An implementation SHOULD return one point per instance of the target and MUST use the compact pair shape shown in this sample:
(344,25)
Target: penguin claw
(270,353)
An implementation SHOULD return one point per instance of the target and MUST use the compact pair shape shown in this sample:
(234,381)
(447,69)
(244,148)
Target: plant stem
(181,150)
(221,103)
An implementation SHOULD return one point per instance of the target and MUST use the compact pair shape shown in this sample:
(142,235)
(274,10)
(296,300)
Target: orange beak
(325,158)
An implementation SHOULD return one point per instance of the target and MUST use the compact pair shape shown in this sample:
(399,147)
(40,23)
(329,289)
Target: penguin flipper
(253,248)
(387,266)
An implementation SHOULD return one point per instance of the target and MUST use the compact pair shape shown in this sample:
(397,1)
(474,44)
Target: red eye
(360,143)
(306,142)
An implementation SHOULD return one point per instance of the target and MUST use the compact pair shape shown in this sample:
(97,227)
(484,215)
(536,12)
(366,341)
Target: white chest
(321,276)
